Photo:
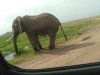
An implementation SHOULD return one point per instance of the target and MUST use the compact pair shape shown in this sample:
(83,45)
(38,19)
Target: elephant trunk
(15,43)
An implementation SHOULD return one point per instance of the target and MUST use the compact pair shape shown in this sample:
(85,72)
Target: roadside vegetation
(72,30)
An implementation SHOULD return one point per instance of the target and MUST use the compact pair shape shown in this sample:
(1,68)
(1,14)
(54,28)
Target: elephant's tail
(63,33)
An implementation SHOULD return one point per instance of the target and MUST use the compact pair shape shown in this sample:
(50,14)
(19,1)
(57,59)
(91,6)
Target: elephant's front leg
(38,42)
(32,40)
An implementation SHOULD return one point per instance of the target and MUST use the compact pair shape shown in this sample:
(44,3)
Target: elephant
(34,26)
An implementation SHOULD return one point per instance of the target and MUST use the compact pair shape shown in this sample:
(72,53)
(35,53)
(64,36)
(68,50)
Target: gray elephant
(43,24)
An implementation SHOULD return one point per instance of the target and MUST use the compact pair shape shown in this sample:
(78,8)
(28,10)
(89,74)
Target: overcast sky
(64,10)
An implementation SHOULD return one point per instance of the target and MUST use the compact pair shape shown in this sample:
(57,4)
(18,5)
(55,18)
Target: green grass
(71,29)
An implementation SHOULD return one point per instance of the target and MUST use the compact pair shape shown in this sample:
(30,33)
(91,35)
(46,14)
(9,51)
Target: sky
(64,10)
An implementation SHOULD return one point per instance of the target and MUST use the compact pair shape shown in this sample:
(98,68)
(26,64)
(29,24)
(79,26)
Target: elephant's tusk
(10,38)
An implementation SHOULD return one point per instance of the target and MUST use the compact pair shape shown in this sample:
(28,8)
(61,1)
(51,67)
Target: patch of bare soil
(84,49)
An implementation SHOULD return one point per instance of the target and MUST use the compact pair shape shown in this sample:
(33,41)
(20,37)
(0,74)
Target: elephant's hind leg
(52,36)
(33,42)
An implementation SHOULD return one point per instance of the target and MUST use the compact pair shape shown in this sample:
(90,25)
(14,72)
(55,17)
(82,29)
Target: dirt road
(84,49)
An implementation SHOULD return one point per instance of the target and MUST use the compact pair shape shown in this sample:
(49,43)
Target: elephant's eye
(15,24)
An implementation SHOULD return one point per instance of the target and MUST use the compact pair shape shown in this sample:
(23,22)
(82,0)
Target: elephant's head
(17,25)
(17,29)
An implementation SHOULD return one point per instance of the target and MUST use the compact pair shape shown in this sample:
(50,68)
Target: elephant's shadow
(65,49)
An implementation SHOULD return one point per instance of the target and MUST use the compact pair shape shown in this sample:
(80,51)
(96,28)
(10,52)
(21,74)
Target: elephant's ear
(19,23)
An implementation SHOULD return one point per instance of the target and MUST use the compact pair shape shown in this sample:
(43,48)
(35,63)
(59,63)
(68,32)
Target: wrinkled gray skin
(43,24)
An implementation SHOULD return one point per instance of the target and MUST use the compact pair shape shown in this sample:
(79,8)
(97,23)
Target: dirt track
(84,49)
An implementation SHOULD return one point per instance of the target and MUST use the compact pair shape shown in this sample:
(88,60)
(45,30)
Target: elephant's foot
(40,47)
(51,47)
(36,49)
(18,53)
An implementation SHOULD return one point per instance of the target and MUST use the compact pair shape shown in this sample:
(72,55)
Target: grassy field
(71,29)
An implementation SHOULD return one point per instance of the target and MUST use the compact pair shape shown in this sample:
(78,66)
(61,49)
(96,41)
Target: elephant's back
(42,18)
(41,22)
(47,18)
